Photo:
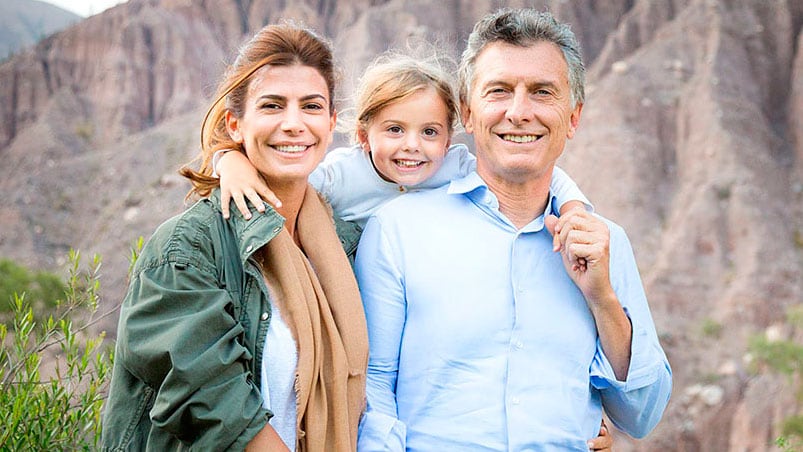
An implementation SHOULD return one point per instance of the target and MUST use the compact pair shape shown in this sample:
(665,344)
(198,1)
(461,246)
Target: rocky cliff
(691,138)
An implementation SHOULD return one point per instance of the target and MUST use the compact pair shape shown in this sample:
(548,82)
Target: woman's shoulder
(180,238)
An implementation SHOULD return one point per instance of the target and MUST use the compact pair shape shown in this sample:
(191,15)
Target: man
(482,337)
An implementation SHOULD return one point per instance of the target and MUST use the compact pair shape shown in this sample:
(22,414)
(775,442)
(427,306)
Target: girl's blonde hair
(393,76)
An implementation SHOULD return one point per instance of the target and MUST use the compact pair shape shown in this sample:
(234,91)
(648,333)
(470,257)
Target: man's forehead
(501,60)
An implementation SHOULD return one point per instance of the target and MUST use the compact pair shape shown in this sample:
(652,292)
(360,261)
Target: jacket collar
(251,234)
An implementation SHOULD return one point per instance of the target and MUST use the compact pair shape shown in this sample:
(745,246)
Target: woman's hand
(239,180)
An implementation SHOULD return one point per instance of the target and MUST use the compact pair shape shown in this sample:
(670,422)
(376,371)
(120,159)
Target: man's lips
(517,138)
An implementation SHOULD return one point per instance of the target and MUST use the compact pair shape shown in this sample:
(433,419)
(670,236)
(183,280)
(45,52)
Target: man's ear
(574,121)
(233,127)
(465,117)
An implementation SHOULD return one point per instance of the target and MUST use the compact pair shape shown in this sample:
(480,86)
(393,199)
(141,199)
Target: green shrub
(785,357)
(59,408)
(711,328)
(42,289)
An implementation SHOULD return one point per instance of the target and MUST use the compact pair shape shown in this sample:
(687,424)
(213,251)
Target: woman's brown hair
(275,45)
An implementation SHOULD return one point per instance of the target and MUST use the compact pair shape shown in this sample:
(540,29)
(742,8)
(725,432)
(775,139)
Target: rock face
(691,138)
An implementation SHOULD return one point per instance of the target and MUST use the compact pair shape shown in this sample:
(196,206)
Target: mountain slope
(24,22)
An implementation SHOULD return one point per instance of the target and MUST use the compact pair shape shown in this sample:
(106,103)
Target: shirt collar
(475,188)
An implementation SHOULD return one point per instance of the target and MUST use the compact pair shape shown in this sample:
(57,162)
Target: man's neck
(520,202)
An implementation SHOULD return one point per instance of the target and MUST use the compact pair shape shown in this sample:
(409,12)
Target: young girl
(406,112)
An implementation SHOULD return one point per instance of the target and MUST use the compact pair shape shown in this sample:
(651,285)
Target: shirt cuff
(646,362)
(380,432)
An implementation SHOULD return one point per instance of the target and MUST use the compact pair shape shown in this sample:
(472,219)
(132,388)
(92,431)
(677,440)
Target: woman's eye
(270,106)
(313,107)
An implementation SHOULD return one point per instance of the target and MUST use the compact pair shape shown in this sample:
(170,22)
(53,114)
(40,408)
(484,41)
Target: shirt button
(249,248)
(264,316)
(515,401)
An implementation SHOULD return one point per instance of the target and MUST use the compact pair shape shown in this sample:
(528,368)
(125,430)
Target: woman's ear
(233,127)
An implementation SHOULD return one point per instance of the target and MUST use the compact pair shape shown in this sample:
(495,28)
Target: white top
(278,377)
(348,181)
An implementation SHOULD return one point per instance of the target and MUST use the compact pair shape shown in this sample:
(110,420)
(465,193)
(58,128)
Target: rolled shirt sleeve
(635,405)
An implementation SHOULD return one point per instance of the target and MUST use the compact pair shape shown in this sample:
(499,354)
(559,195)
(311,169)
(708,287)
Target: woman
(238,335)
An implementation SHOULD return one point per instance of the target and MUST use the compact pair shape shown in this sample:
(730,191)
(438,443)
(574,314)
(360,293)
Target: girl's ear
(362,138)
(233,127)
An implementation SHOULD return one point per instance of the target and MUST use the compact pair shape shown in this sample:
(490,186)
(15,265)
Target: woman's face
(286,125)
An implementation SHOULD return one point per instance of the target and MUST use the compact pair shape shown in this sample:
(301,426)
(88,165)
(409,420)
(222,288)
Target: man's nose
(521,108)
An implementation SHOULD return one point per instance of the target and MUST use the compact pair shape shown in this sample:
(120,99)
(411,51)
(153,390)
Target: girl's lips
(405,166)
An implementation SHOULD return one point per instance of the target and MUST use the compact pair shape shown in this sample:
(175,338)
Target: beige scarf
(320,302)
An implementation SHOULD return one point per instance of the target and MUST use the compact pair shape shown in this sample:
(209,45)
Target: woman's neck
(292,197)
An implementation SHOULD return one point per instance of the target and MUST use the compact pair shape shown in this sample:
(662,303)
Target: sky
(85,8)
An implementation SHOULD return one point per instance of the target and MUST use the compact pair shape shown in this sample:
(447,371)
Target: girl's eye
(430,132)
(395,129)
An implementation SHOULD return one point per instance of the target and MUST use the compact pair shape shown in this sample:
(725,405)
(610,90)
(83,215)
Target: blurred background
(691,138)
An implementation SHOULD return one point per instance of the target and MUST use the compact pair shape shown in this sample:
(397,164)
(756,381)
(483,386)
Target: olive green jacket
(189,349)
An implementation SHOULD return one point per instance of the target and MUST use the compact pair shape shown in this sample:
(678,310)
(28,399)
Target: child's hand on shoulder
(240,181)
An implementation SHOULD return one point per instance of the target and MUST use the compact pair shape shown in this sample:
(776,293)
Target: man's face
(520,111)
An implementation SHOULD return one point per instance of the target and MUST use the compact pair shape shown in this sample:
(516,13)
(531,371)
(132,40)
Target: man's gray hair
(522,27)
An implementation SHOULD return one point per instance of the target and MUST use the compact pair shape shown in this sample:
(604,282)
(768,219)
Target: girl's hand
(604,442)
(239,180)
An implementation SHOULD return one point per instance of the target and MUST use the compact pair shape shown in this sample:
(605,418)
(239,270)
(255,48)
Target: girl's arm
(566,192)
(239,180)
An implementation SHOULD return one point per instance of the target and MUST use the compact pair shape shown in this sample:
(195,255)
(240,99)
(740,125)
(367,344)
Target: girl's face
(287,126)
(409,138)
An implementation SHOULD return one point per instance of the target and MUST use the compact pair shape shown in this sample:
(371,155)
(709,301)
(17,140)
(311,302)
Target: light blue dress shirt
(348,181)
(480,341)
